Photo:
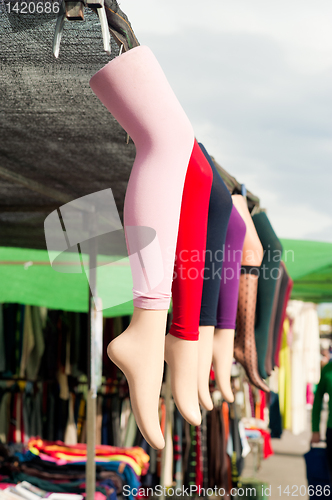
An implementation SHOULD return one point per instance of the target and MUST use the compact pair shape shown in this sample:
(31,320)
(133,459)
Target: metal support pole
(165,480)
(90,469)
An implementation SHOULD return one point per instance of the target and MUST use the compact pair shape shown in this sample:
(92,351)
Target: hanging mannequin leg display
(269,366)
(135,90)
(223,343)
(266,285)
(284,293)
(181,345)
(220,207)
(244,344)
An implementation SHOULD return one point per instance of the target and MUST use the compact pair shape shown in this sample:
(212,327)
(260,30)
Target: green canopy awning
(27,277)
(309,264)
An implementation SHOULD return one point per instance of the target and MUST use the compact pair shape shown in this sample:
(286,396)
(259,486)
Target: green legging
(269,273)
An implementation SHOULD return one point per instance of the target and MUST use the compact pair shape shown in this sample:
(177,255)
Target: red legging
(190,250)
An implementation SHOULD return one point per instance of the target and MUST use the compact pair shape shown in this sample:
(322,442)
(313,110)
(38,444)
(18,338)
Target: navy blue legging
(220,208)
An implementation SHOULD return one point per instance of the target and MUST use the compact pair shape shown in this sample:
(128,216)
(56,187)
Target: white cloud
(295,220)
(255,79)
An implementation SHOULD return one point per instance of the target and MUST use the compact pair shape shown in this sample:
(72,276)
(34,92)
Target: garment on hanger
(107,434)
(70,436)
(237,461)
(2,343)
(177,446)
(109,333)
(275,423)
(204,449)
(217,443)
(285,375)
(192,463)
(305,358)
(5,416)
(186,451)
(199,459)
(28,340)
(10,316)
(248,400)
(37,351)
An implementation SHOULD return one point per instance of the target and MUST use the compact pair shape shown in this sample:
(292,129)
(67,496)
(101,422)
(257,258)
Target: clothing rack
(164,473)
(233,186)
(113,383)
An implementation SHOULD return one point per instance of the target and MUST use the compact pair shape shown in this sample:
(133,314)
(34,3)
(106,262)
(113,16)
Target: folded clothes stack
(56,467)
(255,432)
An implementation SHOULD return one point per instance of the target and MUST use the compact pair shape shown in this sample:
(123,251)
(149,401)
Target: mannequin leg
(143,340)
(281,298)
(245,346)
(245,351)
(223,350)
(181,346)
(269,366)
(287,286)
(182,358)
(252,252)
(227,305)
(205,353)
(219,213)
(266,285)
(135,90)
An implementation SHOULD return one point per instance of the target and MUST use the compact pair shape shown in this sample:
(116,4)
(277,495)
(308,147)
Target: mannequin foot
(205,348)
(246,355)
(223,345)
(182,359)
(139,353)
(245,351)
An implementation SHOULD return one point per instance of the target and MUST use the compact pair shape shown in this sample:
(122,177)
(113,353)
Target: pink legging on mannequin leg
(135,90)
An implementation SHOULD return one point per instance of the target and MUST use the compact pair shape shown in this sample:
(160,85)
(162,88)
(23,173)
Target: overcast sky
(255,79)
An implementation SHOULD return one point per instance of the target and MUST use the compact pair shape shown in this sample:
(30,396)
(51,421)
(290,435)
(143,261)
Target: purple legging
(229,285)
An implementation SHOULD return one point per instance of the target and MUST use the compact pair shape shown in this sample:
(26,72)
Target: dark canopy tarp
(57,141)
(309,264)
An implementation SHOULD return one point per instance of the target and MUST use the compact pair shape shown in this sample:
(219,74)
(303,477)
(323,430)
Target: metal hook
(58,31)
(97,5)
(104,30)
